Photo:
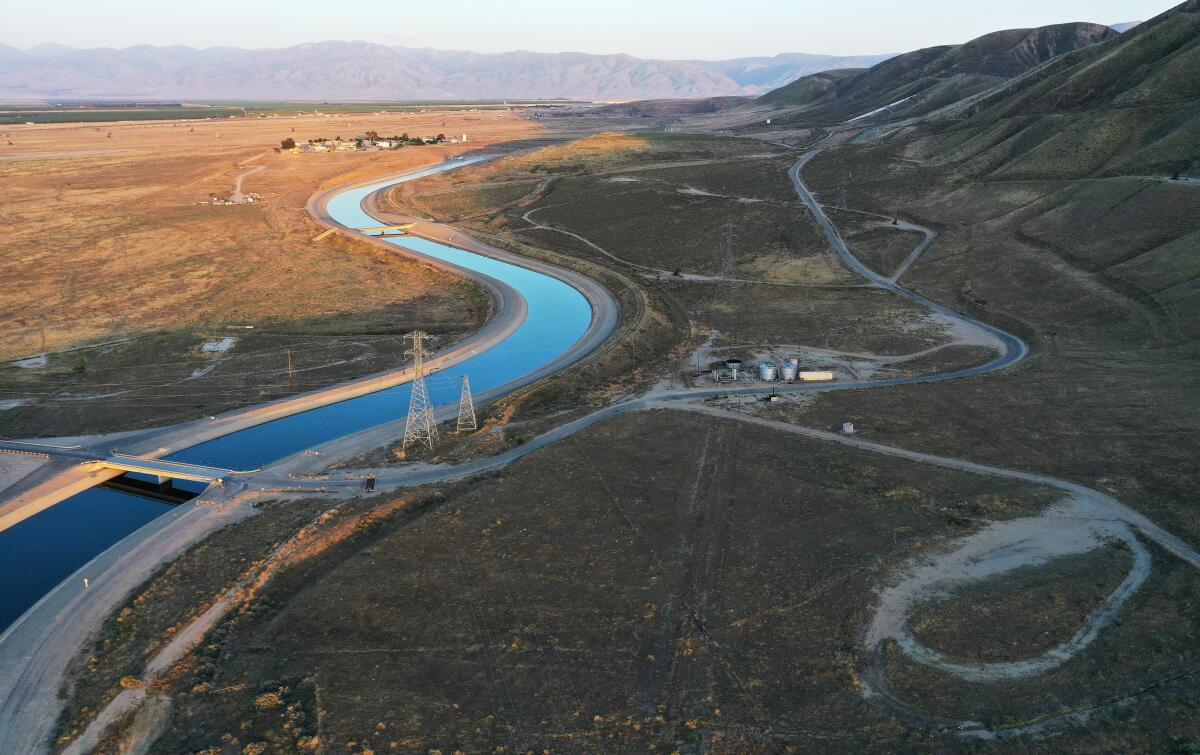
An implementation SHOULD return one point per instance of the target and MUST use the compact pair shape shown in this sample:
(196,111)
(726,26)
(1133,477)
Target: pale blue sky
(705,29)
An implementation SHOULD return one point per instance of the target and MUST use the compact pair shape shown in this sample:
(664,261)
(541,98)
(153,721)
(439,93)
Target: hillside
(671,108)
(1130,106)
(365,71)
(924,80)
(807,90)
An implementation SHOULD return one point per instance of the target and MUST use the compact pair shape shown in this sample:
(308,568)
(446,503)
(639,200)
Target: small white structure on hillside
(847,428)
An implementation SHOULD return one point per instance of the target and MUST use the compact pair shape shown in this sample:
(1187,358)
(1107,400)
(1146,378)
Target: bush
(288,143)
(268,700)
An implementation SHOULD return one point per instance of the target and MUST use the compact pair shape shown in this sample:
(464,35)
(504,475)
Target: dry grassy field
(646,201)
(678,583)
(109,234)
(1100,276)
(651,199)
(659,582)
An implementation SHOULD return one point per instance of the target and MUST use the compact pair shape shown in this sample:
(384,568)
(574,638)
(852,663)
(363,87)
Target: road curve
(1015,348)
(91,612)
(508,313)
(36,650)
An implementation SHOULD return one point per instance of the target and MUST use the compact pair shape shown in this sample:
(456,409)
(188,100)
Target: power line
(420,425)
(466,408)
(727,269)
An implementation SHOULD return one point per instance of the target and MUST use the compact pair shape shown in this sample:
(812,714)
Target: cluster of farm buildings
(369,141)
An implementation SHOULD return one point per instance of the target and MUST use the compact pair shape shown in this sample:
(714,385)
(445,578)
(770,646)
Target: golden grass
(108,229)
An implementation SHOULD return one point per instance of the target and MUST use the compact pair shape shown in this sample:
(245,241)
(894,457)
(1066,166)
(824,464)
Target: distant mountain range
(366,71)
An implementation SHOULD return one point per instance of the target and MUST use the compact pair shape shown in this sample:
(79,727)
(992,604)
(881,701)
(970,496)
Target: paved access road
(29,706)
(35,651)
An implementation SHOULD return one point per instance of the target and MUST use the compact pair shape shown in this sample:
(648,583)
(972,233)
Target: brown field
(678,583)
(109,234)
(661,201)
(874,240)
(119,237)
(650,199)
(1099,276)
(661,581)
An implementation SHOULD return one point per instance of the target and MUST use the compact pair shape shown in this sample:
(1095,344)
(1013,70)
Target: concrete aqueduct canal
(565,316)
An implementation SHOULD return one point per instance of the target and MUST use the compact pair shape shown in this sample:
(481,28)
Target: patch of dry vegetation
(168,601)
(1137,679)
(874,240)
(112,238)
(657,581)
(110,235)
(1023,613)
(1081,270)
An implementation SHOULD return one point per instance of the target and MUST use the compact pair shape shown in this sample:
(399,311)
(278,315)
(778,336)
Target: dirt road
(43,647)
(35,651)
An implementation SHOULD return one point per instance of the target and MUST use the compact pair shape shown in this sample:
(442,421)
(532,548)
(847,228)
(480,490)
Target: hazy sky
(706,29)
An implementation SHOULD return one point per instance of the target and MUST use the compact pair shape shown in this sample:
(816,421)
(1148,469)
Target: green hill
(1073,157)
(809,89)
(925,80)
(1128,106)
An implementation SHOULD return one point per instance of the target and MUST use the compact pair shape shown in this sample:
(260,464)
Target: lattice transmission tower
(843,185)
(466,408)
(420,425)
(727,268)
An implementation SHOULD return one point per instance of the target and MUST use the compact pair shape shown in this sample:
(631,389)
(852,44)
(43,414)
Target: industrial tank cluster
(768,372)
(789,372)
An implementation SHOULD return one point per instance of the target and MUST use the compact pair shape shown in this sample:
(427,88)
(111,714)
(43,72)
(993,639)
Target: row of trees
(372,136)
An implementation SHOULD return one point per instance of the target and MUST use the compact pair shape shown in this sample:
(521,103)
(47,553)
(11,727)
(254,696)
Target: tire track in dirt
(656,654)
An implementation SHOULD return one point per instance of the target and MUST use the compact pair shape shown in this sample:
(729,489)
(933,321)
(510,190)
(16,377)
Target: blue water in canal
(40,552)
(43,550)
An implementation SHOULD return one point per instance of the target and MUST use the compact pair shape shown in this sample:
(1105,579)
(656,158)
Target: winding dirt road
(38,651)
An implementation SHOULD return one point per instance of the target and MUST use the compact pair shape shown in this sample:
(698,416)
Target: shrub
(268,700)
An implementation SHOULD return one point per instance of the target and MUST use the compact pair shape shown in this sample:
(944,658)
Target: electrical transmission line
(466,408)
(727,269)
(420,425)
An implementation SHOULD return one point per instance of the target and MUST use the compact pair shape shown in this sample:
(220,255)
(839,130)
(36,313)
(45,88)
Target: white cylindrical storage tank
(788,372)
(734,366)
(766,371)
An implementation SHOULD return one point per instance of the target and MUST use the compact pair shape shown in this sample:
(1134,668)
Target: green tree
(288,143)
(80,366)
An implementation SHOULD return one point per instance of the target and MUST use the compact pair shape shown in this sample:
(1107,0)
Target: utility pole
(291,372)
(466,408)
(420,425)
